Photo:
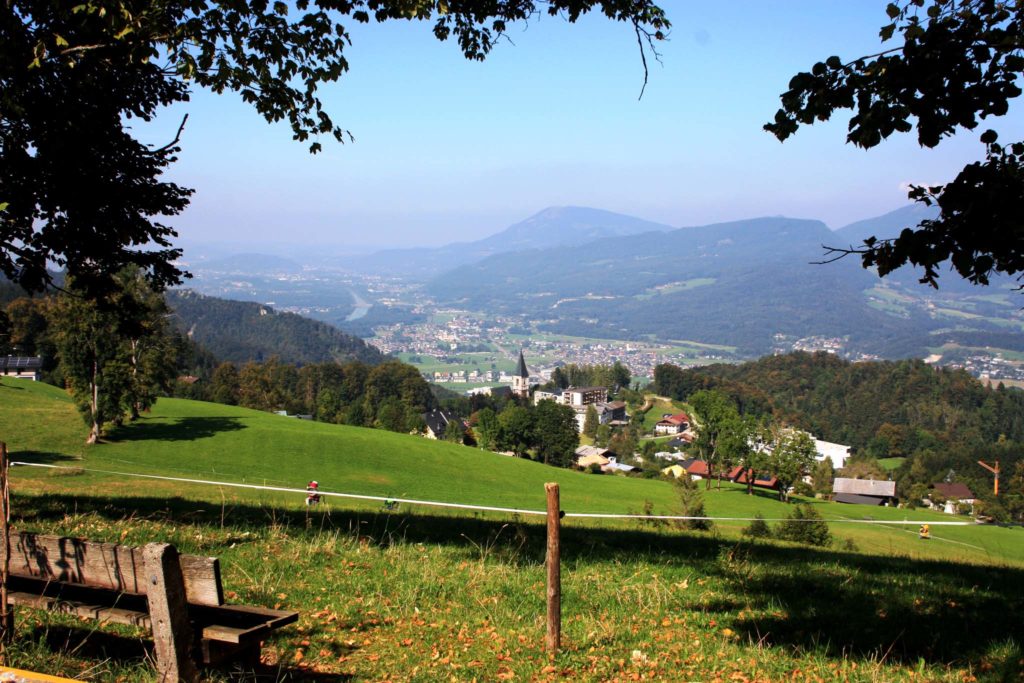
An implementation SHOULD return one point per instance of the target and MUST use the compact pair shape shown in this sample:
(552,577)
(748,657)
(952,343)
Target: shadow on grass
(131,652)
(838,604)
(181,429)
(45,457)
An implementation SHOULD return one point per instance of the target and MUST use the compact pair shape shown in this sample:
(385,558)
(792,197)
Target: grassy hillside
(425,594)
(196,440)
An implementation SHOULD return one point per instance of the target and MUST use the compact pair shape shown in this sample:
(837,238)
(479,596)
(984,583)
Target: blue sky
(449,150)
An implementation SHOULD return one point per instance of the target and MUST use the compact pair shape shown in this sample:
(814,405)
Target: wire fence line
(485,508)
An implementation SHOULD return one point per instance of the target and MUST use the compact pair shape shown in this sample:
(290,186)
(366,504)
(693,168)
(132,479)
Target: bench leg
(217,653)
(168,611)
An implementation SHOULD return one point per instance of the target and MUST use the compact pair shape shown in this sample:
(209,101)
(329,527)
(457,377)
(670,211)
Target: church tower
(521,378)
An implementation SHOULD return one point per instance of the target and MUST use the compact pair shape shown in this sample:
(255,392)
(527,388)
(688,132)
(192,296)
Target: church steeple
(521,379)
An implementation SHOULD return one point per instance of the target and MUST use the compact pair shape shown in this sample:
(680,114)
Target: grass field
(890,464)
(427,594)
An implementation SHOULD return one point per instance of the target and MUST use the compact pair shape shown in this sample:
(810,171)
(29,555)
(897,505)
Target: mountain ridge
(550,227)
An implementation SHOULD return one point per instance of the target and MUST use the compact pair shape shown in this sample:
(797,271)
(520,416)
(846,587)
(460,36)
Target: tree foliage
(114,354)
(791,455)
(805,525)
(715,441)
(938,418)
(615,376)
(555,433)
(591,422)
(955,64)
(79,190)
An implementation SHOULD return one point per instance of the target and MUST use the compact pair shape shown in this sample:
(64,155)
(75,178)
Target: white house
(835,452)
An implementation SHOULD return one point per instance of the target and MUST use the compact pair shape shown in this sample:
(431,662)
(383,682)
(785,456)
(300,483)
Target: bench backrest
(106,565)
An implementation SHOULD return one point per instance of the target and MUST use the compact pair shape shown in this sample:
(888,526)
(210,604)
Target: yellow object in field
(19,676)
(924,532)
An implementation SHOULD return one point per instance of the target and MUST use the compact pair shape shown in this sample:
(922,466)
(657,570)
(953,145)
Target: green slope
(209,441)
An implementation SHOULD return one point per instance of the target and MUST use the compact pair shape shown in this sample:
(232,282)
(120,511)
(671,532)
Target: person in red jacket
(312,493)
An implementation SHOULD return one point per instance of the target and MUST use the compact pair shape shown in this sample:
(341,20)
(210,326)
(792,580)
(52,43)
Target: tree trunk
(134,361)
(94,405)
(6,611)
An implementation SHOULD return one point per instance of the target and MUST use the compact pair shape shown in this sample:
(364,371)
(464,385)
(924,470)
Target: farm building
(950,495)
(23,367)
(863,491)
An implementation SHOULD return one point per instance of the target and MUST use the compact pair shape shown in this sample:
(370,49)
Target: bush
(802,488)
(805,525)
(594,468)
(692,503)
(758,528)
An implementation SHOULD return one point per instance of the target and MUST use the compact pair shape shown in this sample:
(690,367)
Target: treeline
(883,407)
(615,376)
(391,395)
(941,420)
(547,431)
(117,355)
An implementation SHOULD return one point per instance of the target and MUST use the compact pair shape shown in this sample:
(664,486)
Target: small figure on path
(312,493)
(924,533)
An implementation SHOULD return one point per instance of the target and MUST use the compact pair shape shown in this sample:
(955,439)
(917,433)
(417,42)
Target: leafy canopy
(78,191)
(960,62)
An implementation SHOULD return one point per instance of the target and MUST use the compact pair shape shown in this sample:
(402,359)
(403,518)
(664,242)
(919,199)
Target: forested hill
(241,331)
(880,408)
(739,283)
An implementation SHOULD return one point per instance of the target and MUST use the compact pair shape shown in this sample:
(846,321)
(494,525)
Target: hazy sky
(448,150)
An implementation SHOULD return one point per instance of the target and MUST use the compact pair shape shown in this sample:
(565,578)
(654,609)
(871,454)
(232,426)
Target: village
(674,451)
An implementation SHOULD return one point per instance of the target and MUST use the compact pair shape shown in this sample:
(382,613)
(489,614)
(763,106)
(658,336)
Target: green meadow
(422,593)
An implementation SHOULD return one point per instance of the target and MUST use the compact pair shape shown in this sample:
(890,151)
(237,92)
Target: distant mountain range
(747,284)
(754,284)
(553,227)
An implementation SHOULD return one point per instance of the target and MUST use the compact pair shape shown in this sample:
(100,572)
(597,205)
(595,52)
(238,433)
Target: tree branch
(836,253)
(174,142)
(643,35)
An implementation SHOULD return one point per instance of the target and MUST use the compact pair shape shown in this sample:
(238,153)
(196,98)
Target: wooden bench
(179,598)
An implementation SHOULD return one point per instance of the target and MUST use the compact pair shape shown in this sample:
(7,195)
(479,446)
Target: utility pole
(993,470)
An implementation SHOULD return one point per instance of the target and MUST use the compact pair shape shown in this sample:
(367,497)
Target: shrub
(802,488)
(758,528)
(692,503)
(804,525)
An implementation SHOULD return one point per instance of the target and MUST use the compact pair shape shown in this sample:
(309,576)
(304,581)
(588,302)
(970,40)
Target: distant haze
(448,151)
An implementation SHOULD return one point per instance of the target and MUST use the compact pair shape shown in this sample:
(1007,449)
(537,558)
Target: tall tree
(555,433)
(951,64)
(224,385)
(516,430)
(92,358)
(77,189)
(591,422)
(486,429)
(718,416)
(149,344)
(791,457)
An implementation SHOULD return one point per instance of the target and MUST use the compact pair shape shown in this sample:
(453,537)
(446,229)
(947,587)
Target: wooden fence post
(554,564)
(6,611)
(168,612)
